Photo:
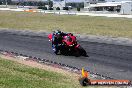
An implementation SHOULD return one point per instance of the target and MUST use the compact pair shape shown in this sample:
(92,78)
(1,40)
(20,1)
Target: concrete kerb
(51,63)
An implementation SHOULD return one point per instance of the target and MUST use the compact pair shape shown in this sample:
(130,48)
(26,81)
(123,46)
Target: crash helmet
(58,32)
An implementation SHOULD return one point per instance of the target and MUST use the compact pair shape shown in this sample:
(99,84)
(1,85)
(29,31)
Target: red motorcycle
(69,46)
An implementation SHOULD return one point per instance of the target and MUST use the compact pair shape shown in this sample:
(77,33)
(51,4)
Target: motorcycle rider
(57,39)
(61,42)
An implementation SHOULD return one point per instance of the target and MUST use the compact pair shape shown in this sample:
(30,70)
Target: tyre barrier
(51,63)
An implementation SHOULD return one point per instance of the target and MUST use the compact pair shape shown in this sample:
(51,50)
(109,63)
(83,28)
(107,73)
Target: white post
(65,3)
(6,3)
(131,7)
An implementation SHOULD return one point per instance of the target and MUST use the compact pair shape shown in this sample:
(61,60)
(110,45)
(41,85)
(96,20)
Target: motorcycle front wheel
(81,51)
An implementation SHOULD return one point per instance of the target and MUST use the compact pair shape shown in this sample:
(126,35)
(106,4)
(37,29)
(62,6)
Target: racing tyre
(77,54)
(83,52)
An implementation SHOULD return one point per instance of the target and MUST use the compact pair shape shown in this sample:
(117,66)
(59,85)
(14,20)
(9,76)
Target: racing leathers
(57,40)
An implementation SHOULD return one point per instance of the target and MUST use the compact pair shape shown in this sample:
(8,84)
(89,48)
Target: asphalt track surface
(109,60)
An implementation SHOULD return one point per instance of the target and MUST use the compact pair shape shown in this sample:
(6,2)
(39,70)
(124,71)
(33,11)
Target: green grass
(14,75)
(115,27)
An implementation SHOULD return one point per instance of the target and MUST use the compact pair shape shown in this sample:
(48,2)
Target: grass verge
(115,27)
(14,75)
